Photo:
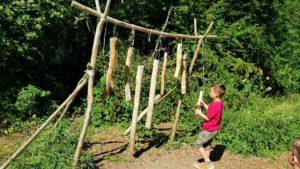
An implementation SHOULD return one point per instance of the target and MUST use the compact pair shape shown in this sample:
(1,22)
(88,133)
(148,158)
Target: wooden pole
(69,104)
(90,85)
(113,59)
(176,118)
(183,92)
(137,95)
(135,27)
(183,77)
(178,60)
(198,48)
(46,123)
(158,99)
(163,74)
(195,27)
(127,73)
(152,93)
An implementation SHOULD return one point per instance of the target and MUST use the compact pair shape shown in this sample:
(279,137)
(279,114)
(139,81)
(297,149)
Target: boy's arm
(203,116)
(204,104)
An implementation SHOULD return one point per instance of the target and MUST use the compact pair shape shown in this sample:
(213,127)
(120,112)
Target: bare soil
(109,149)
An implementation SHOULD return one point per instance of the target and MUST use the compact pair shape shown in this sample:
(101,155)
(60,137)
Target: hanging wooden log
(163,74)
(178,60)
(113,58)
(46,123)
(176,118)
(114,21)
(136,107)
(141,115)
(183,77)
(127,73)
(152,93)
(90,95)
(183,92)
(158,99)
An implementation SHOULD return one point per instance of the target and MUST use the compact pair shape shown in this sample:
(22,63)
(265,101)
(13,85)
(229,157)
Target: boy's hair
(296,146)
(219,89)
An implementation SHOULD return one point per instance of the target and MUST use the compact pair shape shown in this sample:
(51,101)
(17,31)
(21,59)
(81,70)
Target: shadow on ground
(216,154)
(155,141)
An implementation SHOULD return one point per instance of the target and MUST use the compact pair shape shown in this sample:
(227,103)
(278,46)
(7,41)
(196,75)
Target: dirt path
(110,152)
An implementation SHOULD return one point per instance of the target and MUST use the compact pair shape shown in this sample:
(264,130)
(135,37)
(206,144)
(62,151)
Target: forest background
(45,46)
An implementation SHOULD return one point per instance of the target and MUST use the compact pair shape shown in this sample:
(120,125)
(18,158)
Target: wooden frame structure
(88,78)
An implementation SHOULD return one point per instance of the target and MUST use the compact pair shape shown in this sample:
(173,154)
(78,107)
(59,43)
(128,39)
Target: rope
(149,37)
(103,48)
(131,38)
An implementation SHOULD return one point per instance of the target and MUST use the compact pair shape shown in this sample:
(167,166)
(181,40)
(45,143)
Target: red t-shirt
(214,113)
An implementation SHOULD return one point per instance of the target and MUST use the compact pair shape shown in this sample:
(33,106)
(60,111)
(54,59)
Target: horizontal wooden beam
(91,11)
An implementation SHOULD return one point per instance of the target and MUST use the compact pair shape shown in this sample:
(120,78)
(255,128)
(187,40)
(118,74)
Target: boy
(211,126)
(294,157)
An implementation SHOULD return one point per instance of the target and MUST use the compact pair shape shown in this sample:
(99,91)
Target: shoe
(204,166)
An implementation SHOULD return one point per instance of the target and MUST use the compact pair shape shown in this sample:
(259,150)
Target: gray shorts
(205,139)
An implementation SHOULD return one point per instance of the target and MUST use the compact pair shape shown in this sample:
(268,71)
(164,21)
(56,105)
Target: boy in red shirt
(211,126)
(294,157)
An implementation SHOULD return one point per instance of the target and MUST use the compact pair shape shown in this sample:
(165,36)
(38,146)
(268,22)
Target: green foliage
(261,129)
(32,100)
(53,149)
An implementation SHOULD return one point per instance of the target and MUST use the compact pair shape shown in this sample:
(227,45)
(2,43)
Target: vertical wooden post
(178,60)
(183,92)
(136,107)
(163,74)
(183,77)
(195,27)
(90,85)
(152,94)
(176,118)
(113,59)
(127,73)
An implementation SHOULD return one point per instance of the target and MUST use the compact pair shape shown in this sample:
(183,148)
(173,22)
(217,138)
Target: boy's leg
(204,154)
(205,139)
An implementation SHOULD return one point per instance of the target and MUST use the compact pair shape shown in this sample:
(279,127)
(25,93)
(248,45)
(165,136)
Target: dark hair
(219,89)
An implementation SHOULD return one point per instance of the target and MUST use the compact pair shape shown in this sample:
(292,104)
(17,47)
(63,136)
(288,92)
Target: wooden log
(178,60)
(200,99)
(113,59)
(163,74)
(141,115)
(198,47)
(46,123)
(90,96)
(176,118)
(195,27)
(91,11)
(152,94)
(127,73)
(183,77)
(137,95)
(158,99)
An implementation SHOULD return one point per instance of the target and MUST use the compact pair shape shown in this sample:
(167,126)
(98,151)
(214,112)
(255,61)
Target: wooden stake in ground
(183,92)
(152,93)
(90,85)
(127,73)
(163,74)
(113,59)
(136,107)
(178,60)
(28,142)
